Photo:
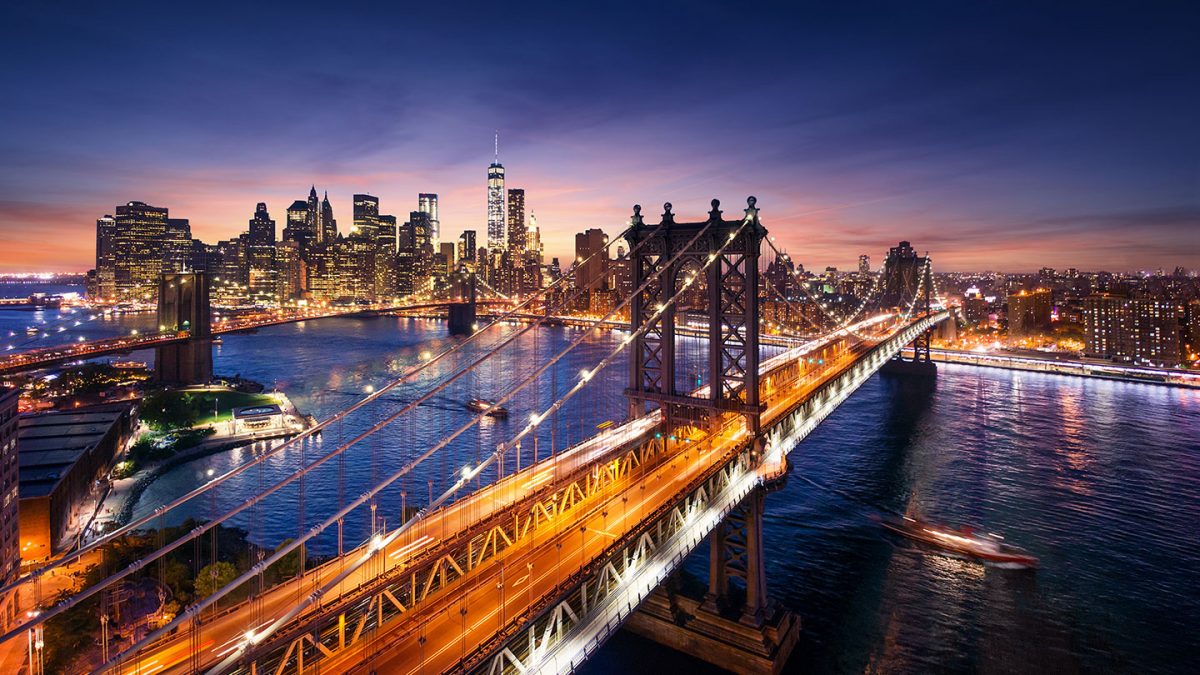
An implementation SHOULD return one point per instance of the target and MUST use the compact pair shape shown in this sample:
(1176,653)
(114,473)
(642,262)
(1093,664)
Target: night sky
(1001,137)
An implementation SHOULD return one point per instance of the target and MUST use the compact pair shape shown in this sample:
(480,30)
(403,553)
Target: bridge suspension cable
(160,512)
(464,477)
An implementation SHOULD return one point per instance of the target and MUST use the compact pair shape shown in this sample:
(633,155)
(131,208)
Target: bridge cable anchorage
(300,438)
(388,539)
(337,452)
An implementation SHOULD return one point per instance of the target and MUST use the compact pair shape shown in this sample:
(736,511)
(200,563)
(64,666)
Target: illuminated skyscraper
(312,219)
(466,246)
(138,250)
(427,202)
(106,261)
(495,204)
(864,263)
(366,216)
(1140,330)
(260,256)
(328,231)
(516,221)
(298,227)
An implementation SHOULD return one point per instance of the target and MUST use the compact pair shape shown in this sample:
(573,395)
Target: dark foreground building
(61,456)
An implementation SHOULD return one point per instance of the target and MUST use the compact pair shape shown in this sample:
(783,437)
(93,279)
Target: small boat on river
(482,405)
(987,548)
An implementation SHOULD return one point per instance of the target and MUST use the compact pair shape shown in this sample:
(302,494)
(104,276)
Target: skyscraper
(427,202)
(466,246)
(138,250)
(260,257)
(864,263)
(299,228)
(366,216)
(312,219)
(591,274)
(495,205)
(106,261)
(516,221)
(328,225)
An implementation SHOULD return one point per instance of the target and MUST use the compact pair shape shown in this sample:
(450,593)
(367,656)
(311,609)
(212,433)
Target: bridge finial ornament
(667,216)
(751,209)
(636,220)
(715,214)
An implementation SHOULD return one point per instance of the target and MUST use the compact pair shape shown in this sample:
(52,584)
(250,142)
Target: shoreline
(1114,372)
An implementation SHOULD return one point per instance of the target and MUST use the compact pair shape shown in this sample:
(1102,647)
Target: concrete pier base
(900,366)
(684,625)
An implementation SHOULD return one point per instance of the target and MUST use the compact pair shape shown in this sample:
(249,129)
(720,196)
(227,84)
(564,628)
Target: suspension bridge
(524,561)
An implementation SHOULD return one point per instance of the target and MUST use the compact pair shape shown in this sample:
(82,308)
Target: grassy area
(169,409)
(225,402)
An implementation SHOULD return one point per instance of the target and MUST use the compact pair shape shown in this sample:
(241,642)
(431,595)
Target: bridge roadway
(495,598)
(47,356)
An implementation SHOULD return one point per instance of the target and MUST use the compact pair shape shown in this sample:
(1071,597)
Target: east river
(1099,479)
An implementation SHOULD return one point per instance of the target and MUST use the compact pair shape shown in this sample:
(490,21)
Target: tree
(213,576)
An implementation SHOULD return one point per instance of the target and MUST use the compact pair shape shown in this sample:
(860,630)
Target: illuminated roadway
(503,592)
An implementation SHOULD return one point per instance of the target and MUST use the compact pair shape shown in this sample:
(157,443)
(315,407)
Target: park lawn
(226,401)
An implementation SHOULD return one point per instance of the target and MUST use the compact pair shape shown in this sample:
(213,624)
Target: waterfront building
(10,539)
(1192,323)
(427,202)
(62,454)
(230,282)
(1029,312)
(261,277)
(1137,330)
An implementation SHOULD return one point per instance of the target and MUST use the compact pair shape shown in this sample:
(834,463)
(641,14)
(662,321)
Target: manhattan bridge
(529,557)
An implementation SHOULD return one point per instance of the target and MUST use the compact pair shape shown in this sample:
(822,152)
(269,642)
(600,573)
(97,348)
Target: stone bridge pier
(183,305)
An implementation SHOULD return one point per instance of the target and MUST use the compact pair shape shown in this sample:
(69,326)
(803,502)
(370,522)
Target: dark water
(1100,480)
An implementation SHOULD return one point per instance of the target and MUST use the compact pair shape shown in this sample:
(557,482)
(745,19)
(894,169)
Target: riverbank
(1107,371)
(118,505)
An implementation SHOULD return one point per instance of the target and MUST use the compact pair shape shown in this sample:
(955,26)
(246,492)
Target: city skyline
(1070,146)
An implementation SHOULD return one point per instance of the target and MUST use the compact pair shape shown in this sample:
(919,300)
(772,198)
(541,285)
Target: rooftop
(50,443)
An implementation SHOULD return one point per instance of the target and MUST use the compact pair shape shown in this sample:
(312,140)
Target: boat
(482,405)
(218,341)
(30,330)
(987,548)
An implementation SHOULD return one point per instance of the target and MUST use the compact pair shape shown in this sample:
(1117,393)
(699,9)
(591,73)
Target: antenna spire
(497,159)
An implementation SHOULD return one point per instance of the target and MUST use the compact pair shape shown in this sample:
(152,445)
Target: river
(1099,479)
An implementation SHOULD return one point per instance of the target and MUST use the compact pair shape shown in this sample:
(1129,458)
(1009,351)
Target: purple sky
(1005,138)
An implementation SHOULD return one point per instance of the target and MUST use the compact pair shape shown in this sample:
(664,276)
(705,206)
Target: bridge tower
(908,278)
(183,305)
(752,636)
(462,315)
(731,284)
